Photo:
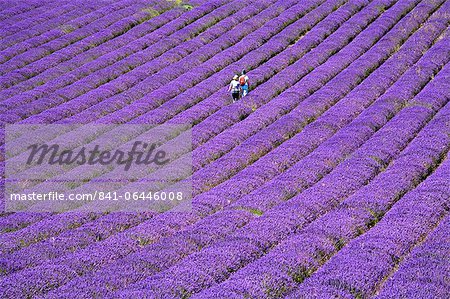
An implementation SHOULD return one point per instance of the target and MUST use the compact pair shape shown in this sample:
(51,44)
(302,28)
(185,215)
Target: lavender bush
(329,180)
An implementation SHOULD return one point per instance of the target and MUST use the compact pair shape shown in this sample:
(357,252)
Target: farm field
(330,179)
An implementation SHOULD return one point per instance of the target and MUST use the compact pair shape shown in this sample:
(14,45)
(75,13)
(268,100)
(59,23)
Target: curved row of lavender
(331,179)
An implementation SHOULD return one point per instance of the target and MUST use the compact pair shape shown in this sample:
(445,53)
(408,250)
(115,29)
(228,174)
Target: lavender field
(330,179)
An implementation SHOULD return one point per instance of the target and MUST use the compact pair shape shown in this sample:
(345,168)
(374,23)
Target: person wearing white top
(235,88)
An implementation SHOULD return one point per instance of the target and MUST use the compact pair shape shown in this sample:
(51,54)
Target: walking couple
(239,86)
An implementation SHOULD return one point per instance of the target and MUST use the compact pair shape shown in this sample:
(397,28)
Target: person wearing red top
(244,82)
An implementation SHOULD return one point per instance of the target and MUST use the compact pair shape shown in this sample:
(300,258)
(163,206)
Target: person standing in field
(235,88)
(244,82)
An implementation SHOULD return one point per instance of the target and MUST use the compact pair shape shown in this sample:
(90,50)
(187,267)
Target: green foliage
(151,12)
(243,116)
(143,241)
(339,244)
(72,184)
(376,218)
(187,6)
(271,291)
(185,294)
(66,29)
(256,212)
(320,256)
(381,8)
(301,274)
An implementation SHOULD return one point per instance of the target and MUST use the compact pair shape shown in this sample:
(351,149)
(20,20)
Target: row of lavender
(18,55)
(135,39)
(423,272)
(133,69)
(119,50)
(15,11)
(149,68)
(301,253)
(257,238)
(211,230)
(375,254)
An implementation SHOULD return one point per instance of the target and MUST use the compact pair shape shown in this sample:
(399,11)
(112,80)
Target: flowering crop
(330,179)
